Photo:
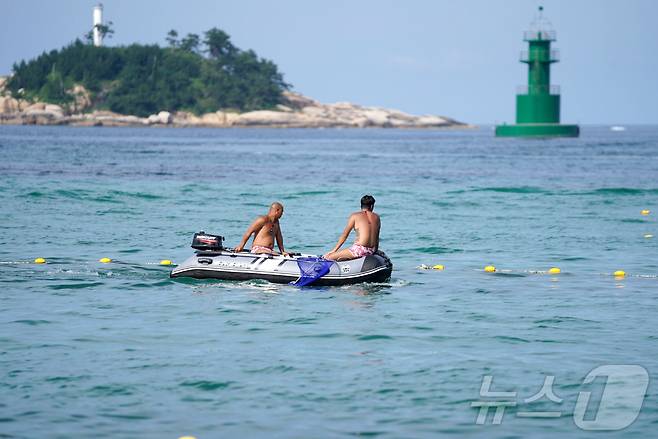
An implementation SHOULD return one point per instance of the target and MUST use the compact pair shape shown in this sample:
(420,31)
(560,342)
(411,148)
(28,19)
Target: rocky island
(297,111)
(193,82)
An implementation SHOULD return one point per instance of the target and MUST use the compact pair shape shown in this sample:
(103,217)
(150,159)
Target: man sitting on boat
(265,229)
(367,225)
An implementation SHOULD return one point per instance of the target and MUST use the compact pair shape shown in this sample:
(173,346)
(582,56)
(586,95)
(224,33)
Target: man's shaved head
(276,210)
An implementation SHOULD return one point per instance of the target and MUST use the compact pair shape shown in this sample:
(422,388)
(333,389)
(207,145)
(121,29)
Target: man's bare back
(367,225)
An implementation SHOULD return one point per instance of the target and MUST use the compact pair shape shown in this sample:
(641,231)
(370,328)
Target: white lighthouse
(98,21)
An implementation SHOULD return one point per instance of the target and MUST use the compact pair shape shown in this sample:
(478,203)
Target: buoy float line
(619,274)
(164,262)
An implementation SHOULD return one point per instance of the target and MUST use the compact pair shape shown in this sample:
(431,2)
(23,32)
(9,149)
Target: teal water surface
(120,350)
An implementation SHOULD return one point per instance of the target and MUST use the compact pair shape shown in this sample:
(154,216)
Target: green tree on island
(191,74)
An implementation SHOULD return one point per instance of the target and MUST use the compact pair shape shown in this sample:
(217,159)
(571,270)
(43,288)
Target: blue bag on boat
(311,269)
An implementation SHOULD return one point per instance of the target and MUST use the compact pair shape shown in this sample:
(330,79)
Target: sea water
(121,350)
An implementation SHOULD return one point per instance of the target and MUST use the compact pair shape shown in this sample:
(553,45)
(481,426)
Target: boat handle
(206,261)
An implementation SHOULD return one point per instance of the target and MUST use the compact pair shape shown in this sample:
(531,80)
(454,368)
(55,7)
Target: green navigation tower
(538,104)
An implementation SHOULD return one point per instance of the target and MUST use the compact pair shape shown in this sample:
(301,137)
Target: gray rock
(8,105)
(296,111)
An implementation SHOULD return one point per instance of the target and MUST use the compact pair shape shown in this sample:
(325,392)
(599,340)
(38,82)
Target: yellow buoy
(439,267)
(166,262)
(490,269)
(105,260)
(619,273)
(39,261)
(648,235)
(554,270)
(645,212)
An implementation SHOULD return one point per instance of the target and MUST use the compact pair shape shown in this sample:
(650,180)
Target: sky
(452,58)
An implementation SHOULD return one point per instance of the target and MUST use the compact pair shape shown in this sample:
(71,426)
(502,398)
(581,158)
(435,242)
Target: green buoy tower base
(538,103)
(538,130)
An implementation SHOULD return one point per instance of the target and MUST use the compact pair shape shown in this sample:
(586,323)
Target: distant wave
(514,190)
(75,286)
(536,190)
(303,194)
(32,322)
(314,192)
(35,194)
(207,385)
(623,191)
(140,195)
(505,189)
(112,196)
(432,250)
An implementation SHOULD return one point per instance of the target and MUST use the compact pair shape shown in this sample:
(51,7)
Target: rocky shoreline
(297,111)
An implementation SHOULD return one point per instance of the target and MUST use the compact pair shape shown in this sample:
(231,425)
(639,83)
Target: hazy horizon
(454,59)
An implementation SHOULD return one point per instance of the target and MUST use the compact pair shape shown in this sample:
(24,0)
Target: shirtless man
(367,225)
(265,229)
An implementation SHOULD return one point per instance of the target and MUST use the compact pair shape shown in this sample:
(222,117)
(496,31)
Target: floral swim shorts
(358,250)
(261,249)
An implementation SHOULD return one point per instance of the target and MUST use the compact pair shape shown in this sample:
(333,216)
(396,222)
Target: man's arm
(253,228)
(279,240)
(345,234)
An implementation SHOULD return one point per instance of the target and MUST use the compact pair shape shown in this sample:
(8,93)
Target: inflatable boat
(213,261)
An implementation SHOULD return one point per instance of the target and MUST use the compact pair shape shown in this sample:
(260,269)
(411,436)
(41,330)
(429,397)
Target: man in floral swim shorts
(367,225)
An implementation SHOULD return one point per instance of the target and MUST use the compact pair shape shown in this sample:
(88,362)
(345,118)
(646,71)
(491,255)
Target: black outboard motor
(207,242)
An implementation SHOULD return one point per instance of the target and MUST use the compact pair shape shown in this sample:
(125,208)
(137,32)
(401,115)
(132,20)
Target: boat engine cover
(206,241)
